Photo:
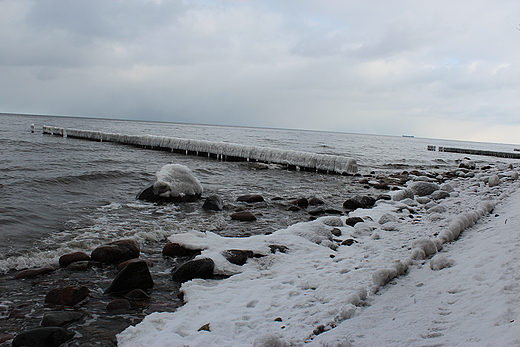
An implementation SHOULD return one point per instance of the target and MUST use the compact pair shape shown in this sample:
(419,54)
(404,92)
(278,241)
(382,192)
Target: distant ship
(409,136)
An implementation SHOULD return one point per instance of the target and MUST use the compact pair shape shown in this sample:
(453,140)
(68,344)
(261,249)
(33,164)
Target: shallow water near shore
(63,195)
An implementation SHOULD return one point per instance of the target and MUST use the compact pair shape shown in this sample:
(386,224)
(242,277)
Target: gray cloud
(360,66)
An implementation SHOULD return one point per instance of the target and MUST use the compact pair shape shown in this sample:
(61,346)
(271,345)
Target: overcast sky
(440,69)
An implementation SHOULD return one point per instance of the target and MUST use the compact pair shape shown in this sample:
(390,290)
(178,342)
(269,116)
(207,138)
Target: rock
(315,201)
(244,216)
(359,202)
(118,304)
(116,252)
(79,266)
(199,268)
(336,232)
(437,209)
(493,181)
(403,194)
(332,221)
(447,187)
(67,259)
(301,202)
(317,212)
(213,203)
(353,221)
(59,319)
(439,194)
(294,209)
(467,164)
(386,218)
(384,197)
(135,275)
(176,250)
(421,188)
(34,272)
(278,248)
(175,183)
(137,294)
(251,198)
(332,211)
(122,265)
(43,337)
(238,257)
(205,327)
(67,296)
(348,242)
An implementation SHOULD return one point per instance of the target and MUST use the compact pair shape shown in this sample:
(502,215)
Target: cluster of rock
(129,286)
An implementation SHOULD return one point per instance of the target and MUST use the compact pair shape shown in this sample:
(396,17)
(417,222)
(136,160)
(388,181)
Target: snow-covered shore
(324,292)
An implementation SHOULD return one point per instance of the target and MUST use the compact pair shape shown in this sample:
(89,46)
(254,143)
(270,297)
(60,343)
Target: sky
(438,69)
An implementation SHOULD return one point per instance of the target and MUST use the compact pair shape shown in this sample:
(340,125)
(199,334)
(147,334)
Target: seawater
(61,195)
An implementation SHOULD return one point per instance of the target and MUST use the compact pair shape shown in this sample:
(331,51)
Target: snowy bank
(330,276)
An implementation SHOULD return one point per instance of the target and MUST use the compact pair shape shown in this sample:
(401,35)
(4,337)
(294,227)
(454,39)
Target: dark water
(60,195)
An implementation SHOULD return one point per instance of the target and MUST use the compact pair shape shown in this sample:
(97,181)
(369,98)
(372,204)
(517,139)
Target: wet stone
(67,259)
(59,319)
(244,216)
(118,304)
(135,275)
(68,296)
(199,268)
(116,252)
(34,272)
(46,336)
(176,250)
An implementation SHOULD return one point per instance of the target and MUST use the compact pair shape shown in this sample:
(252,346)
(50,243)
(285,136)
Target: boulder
(351,221)
(46,336)
(493,181)
(387,218)
(175,183)
(403,194)
(359,202)
(421,188)
(116,252)
(278,248)
(213,203)
(243,216)
(198,268)
(439,194)
(59,319)
(118,304)
(315,201)
(176,250)
(467,164)
(67,296)
(137,294)
(79,266)
(67,259)
(135,275)
(301,202)
(237,256)
(34,272)
(251,198)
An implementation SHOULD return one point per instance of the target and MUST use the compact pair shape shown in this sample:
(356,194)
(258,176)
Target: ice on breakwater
(220,150)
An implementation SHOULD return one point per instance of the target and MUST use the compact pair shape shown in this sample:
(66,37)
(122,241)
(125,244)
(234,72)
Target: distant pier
(295,160)
(476,152)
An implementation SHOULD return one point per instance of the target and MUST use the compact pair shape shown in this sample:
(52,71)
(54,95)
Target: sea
(61,195)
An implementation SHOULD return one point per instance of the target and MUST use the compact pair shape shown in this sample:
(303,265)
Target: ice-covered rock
(175,183)
(439,262)
(403,194)
(493,181)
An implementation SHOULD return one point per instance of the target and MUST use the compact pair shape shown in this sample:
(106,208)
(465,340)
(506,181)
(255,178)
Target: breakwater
(298,160)
(476,152)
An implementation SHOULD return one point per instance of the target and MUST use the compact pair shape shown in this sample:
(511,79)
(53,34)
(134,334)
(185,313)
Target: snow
(303,160)
(174,180)
(452,280)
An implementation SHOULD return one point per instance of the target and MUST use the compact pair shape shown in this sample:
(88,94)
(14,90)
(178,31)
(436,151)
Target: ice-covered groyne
(305,161)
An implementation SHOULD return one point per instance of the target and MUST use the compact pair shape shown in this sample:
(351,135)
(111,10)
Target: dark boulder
(301,202)
(67,296)
(317,212)
(118,304)
(79,266)
(251,198)
(59,319)
(315,201)
(245,216)
(176,250)
(155,193)
(213,203)
(43,337)
(199,268)
(116,252)
(359,201)
(135,275)
(67,259)
(238,257)
(353,221)
(278,248)
(137,294)
(34,272)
